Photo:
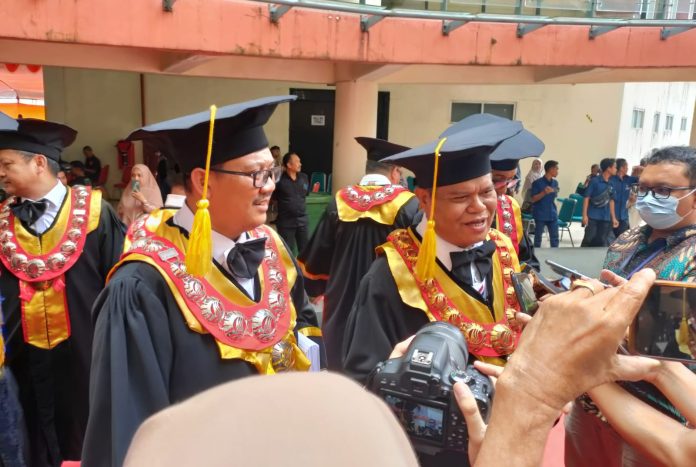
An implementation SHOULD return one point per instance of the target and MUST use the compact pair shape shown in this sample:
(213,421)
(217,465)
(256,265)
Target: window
(638,117)
(461,110)
(656,123)
(683,124)
(669,122)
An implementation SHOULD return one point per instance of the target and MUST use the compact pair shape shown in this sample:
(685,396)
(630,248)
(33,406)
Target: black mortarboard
(378,148)
(463,156)
(238,132)
(36,136)
(507,154)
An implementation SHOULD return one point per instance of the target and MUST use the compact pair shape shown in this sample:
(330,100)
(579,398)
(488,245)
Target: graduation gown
(53,384)
(380,319)
(508,220)
(146,357)
(340,253)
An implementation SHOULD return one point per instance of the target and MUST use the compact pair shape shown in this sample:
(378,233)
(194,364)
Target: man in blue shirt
(544,192)
(621,184)
(598,215)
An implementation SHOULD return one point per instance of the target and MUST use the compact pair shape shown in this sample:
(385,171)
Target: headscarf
(532,176)
(129,208)
(304,419)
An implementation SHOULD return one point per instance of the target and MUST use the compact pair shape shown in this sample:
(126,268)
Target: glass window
(656,122)
(500,110)
(669,122)
(683,124)
(638,117)
(462,110)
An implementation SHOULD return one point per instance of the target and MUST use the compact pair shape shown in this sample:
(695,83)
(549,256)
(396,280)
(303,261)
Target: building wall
(676,99)
(578,123)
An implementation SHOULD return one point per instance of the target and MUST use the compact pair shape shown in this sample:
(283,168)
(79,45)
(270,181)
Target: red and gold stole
(441,299)
(376,202)
(509,219)
(40,263)
(261,332)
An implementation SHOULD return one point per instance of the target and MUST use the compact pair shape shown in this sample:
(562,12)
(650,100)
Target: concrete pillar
(355,115)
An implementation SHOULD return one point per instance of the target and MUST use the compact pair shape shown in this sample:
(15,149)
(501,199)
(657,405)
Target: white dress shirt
(221,247)
(374,179)
(444,248)
(54,200)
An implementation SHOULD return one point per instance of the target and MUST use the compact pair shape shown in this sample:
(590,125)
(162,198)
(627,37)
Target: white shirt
(54,200)
(374,179)
(444,248)
(221,247)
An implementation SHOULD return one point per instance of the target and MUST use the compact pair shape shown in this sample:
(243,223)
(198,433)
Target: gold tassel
(425,264)
(199,252)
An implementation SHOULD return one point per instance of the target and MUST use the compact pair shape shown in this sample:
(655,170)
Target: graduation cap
(507,154)
(238,132)
(208,138)
(378,148)
(457,157)
(35,136)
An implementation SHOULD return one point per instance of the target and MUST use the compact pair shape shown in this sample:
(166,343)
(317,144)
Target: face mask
(660,214)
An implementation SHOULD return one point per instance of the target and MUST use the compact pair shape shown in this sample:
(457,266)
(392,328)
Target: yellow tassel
(199,252)
(425,264)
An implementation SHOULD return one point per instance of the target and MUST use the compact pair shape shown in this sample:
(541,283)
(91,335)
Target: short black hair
(287,156)
(275,147)
(87,148)
(676,155)
(621,163)
(53,166)
(593,166)
(376,167)
(606,163)
(550,165)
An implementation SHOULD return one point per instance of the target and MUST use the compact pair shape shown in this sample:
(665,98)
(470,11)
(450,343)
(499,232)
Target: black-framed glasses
(659,192)
(259,177)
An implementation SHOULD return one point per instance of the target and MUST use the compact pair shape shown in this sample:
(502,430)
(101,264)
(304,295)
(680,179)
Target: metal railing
(602,16)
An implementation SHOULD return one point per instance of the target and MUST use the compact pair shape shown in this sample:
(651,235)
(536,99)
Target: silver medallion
(78,221)
(507,227)
(263,325)
(35,268)
(276,302)
(506,215)
(380,196)
(4,224)
(389,190)
(56,261)
(193,289)
(282,356)
(178,268)
(140,233)
(80,202)
(68,248)
(153,246)
(8,248)
(271,255)
(275,277)
(74,234)
(233,324)
(18,262)
(211,309)
(353,195)
(6,236)
(365,200)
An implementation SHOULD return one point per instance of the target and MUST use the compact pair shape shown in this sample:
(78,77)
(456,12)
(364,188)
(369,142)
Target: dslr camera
(418,388)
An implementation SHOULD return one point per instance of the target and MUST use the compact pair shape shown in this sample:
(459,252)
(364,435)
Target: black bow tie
(244,259)
(479,256)
(29,211)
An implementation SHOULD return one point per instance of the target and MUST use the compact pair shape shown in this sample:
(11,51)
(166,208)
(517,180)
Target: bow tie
(244,259)
(479,256)
(29,211)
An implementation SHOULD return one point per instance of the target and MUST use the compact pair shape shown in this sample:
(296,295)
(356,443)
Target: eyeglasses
(508,183)
(259,177)
(659,192)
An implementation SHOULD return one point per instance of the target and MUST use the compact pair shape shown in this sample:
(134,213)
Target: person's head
(62,176)
(594,169)
(275,152)
(608,166)
(621,167)
(292,163)
(242,174)
(536,165)
(665,191)
(551,169)
(29,153)
(177,187)
(77,168)
(140,172)
(392,172)
(87,151)
(503,174)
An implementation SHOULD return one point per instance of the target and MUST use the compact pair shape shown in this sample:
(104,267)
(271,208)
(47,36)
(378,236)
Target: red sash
(507,221)
(363,200)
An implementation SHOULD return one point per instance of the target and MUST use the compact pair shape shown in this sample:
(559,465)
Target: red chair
(125,180)
(103,176)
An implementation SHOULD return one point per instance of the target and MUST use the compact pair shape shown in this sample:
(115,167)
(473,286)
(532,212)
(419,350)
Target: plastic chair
(125,180)
(565,217)
(103,177)
(318,177)
(528,223)
(577,213)
(411,181)
(329,184)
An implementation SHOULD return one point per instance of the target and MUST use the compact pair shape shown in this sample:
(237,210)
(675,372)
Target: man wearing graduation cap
(504,165)
(342,248)
(172,324)
(57,246)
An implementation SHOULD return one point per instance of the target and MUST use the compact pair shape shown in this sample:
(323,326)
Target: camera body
(418,388)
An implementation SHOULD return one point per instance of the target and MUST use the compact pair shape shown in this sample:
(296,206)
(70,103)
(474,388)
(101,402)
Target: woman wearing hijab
(535,173)
(141,196)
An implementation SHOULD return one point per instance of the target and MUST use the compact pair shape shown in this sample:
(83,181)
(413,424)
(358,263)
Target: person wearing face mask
(666,201)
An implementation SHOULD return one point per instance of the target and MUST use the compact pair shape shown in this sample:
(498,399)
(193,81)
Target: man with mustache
(450,267)
(170,325)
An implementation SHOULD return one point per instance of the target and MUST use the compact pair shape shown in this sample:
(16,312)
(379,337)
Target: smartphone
(135,185)
(530,287)
(665,326)
(564,271)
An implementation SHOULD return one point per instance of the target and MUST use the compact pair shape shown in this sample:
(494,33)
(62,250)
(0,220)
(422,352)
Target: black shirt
(93,168)
(290,195)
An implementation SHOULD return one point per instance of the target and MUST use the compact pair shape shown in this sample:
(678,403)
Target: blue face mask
(660,214)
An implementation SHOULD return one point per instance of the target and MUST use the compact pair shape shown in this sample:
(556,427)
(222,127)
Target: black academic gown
(146,358)
(53,384)
(379,320)
(344,251)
